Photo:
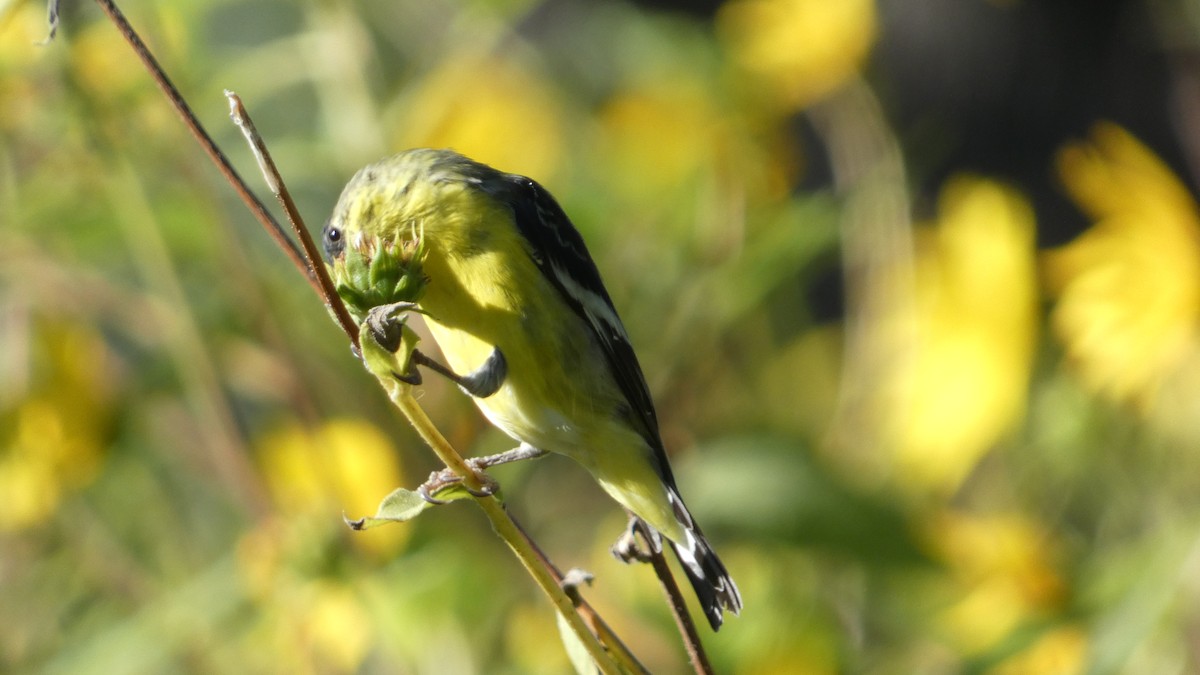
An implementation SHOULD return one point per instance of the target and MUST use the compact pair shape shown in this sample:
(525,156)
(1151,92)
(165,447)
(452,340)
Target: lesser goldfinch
(516,303)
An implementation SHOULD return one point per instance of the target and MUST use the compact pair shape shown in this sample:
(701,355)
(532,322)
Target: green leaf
(451,492)
(403,504)
(399,506)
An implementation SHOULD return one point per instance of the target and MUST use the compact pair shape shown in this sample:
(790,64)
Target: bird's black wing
(558,251)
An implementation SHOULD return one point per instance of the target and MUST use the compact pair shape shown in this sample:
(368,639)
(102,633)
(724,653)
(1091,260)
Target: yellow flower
(658,138)
(55,438)
(102,62)
(337,626)
(1128,289)
(800,50)
(1004,576)
(489,108)
(342,466)
(30,487)
(963,383)
(1059,652)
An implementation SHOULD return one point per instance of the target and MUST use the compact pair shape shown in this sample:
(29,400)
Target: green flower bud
(378,272)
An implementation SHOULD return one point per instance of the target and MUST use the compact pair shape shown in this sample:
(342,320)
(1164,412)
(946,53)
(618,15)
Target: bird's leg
(481,382)
(440,479)
(629,547)
(521,452)
(387,328)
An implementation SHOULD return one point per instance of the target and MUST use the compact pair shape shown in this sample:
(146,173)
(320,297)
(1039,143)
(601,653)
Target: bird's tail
(712,583)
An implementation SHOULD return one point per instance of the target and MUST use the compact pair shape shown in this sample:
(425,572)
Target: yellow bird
(516,303)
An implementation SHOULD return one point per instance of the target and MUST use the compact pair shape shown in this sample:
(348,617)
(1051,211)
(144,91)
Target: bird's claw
(629,548)
(386,328)
(439,480)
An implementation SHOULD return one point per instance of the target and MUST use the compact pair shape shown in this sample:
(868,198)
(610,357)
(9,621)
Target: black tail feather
(714,587)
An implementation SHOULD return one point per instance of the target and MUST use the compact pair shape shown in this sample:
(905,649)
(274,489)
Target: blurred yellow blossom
(28,480)
(492,109)
(344,465)
(1060,651)
(800,50)
(337,627)
(1128,289)
(963,383)
(676,162)
(102,66)
(525,632)
(21,26)
(1003,568)
(55,439)
(109,77)
(305,624)
(657,138)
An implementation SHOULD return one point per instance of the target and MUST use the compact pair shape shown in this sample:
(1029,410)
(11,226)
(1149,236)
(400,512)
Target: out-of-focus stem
(502,523)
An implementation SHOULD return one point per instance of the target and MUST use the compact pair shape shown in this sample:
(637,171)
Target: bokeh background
(915,283)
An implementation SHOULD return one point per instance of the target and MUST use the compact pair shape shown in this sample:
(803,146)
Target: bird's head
(397,198)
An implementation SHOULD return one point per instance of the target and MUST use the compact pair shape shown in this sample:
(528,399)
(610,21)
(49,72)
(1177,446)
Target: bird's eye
(333,241)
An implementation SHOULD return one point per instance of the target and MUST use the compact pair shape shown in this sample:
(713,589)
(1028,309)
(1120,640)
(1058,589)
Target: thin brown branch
(683,619)
(594,621)
(275,182)
(206,142)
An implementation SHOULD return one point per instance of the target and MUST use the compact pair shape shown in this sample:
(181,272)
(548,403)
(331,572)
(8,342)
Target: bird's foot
(638,543)
(386,324)
(440,480)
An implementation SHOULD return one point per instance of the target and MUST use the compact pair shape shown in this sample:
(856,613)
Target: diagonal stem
(683,619)
(315,266)
(620,652)
(206,142)
(504,525)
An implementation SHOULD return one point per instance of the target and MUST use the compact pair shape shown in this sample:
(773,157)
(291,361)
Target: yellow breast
(485,292)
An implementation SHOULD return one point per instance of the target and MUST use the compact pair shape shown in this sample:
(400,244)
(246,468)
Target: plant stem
(595,622)
(312,257)
(683,619)
(206,142)
(502,523)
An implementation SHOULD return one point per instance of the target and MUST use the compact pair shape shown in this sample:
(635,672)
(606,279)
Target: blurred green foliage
(986,463)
